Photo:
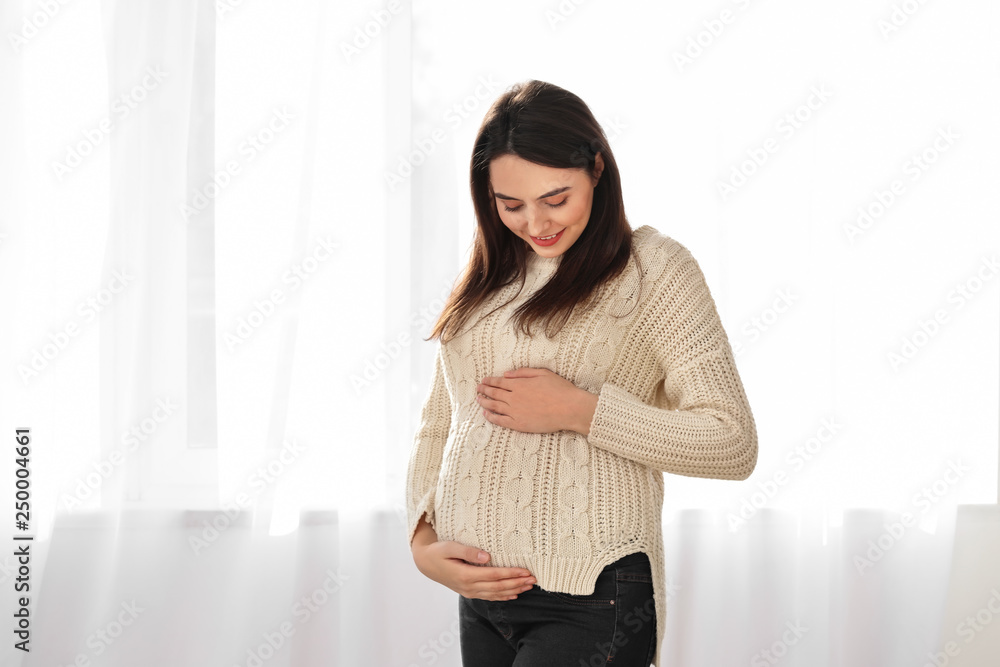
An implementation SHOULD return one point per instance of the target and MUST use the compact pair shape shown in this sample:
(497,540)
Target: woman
(535,486)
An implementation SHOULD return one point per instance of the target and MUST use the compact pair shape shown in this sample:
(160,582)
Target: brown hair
(545,124)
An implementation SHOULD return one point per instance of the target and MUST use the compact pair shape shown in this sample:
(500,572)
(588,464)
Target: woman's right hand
(450,564)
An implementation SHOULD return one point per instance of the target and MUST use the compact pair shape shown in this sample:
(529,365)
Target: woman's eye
(518,208)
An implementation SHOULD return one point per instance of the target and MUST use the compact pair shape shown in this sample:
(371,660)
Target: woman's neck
(540,265)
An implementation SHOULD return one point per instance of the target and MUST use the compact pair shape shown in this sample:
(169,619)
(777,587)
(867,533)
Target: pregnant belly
(487,487)
(460,484)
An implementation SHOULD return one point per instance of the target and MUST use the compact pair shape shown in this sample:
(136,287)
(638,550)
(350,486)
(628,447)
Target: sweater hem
(561,574)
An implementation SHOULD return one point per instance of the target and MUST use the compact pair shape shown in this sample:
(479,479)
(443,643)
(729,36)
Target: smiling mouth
(547,238)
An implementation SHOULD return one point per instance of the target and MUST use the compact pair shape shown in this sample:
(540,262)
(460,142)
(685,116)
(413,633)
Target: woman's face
(536,201)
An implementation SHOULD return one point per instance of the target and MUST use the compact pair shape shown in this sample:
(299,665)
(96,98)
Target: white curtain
(227,227)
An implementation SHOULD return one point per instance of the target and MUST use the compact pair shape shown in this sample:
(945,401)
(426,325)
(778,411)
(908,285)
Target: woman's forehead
(517,177)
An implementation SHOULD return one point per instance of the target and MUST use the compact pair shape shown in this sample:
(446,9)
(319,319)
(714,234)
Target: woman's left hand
(536,400)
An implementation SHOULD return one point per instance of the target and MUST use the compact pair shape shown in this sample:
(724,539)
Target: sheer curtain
(228,226)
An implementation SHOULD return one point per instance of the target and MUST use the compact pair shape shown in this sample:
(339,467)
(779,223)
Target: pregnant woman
(578,360)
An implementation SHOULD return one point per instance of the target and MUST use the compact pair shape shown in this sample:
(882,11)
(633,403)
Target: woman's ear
(598,168)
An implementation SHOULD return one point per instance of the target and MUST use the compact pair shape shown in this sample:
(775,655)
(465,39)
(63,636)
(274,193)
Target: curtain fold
(157,340)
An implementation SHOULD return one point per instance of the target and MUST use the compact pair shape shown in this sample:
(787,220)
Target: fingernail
(482,555)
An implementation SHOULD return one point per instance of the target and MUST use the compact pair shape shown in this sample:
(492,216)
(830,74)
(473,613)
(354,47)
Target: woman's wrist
(583,413)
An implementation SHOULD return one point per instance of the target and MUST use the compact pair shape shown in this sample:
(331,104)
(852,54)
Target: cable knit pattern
(564,505)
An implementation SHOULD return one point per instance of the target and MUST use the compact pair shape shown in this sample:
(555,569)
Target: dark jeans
(615,624)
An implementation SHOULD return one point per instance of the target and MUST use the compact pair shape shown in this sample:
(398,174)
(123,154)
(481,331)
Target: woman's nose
(536,221)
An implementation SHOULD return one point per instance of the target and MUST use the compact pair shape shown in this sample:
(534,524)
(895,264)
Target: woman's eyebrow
(547,194)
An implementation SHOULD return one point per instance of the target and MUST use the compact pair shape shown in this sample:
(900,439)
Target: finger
(501,577)
(472,558)
(508,585)
(495,407)
(497,573)
(464,552)
(494,387)
(493,417)
(470,555)
(481,582)
(494,591)
(506,573)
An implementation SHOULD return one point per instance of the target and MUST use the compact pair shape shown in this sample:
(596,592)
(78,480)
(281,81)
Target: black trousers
(615,624)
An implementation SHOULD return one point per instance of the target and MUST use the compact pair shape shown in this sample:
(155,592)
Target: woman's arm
(428,449)
(424,534)
(707,428)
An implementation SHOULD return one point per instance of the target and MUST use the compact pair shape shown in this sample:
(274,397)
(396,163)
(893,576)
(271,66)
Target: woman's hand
(536,400)
(449,564)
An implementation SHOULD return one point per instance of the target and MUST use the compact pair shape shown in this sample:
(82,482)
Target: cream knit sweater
(562,505)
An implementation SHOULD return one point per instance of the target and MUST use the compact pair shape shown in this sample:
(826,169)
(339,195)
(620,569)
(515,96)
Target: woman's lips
(551,241)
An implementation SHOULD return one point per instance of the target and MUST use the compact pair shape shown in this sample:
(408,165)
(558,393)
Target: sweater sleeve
(427,449)
(700,423)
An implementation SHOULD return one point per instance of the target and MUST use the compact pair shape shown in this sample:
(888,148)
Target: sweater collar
(542,266)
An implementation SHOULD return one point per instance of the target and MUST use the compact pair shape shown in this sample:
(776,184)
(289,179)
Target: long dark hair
(545,124)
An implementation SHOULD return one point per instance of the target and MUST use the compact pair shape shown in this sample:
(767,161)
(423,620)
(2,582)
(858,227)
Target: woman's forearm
(424,534)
